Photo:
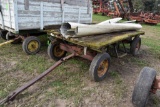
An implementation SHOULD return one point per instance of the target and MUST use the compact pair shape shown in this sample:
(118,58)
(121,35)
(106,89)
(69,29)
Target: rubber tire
(27,41)
(134,45)
(51,54)
(95,64)
(3,34)
(143,86)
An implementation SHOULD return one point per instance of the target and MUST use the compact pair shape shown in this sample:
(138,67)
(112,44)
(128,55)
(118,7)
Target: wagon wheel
(10,36)
(135,46)
(3,34)
(99,67)
(143,87)
(31,45)
(55,52)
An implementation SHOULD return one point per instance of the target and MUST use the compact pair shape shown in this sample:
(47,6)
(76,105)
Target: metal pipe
(78,30)
(12,96)
(132,21)
(108,28)
(115,20)
(71,25)
(78,50)
(156,85)
(5,43)
(116,7)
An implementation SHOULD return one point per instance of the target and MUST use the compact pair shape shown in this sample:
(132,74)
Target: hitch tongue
(12,96)
(8,98)
(5,43)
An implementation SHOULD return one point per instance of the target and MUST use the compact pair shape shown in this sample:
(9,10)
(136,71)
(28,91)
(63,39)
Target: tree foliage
(147,5)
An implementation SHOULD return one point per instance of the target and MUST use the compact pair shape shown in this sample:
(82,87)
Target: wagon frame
(96,53)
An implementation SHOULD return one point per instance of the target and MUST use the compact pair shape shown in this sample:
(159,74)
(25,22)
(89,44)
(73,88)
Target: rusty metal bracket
(156,85)
(12,96)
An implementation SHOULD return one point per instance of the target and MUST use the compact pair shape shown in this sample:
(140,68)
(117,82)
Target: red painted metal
(102,6)
(150,21)
(79,50)
(115,13)
(105,9)
(99,6)
(119,9)
(156,85)
(148,18)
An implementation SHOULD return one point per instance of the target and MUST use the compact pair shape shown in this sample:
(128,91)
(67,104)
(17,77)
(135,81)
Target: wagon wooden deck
(98,42)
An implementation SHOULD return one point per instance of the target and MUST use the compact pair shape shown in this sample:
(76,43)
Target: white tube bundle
(78,30)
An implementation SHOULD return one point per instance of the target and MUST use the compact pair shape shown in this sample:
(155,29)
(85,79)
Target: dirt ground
(70,85)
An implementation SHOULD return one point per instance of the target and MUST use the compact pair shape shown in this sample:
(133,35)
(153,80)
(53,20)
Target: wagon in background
(26,19)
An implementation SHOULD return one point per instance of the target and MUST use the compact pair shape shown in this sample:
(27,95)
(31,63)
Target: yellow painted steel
(97,42)
(53,32)
(57,51)
(32,46)
(5,43)
(103,67)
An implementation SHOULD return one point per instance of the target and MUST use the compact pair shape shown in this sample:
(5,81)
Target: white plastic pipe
(77,30)
(115,20)
(108,28)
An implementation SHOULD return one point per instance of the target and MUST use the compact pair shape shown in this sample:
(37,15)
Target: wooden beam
(62,3)
(26,4)
(88,5)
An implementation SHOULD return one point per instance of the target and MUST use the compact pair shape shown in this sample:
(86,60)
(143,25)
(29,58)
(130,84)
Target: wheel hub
(33,46)
(58,52)
(137,47)
(103,67)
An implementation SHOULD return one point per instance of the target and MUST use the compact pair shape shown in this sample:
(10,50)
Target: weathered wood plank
(73,9)
(8,24)
(35,25)
(28,14)
(26,3)
(69,2)
(37,19)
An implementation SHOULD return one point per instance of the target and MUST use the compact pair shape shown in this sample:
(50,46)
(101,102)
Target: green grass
(139,61)
(152,38)
(99,18)
(153,44)
(119,86)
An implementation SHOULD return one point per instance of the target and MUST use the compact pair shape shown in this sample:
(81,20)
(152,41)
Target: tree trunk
(131,6)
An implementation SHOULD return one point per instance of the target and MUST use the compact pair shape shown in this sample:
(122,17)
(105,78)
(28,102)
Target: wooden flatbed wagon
(28,18)
(95,48)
